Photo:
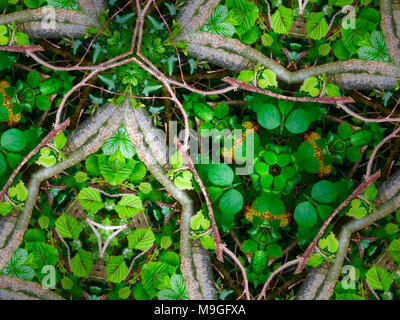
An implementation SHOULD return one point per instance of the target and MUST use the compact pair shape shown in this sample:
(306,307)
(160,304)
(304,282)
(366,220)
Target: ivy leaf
(282,20)
(141,239)
(90,200)
(128,206)
(116,269)
(68,227)
(379,279)
(316,26)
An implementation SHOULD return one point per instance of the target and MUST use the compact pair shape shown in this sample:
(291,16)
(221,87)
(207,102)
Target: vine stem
(66,246)
(367,182)
(273,274)
(216,235)
(135,258)
(242,269)
(248,87)
(380,144)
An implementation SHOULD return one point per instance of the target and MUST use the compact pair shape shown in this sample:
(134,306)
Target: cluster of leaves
(284,175)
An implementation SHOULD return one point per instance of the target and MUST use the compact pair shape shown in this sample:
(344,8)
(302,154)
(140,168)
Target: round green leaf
(305,214)
(231,202)
(221,174)
(13,140)
(268,116)
(324,192)
(297,121)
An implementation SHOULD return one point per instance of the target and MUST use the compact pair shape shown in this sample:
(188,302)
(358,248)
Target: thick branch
(18,289)
(14,237)
(389,25)
(386,73)
(195,291)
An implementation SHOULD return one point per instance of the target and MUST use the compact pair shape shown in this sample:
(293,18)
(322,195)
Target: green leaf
(50,86)
(119,141)
(379,279)
(282,20)
(3,164)
(156,276)
(221,110)
(129,206)
(5,208)
(68,227)
(305,214)
(268,79)
(34,79)
(116,269)
(42,102)
(141,239)
(297,121)
(259,261)
(268,116)
(353,154)
(345,131)
(324,191)
(221,175)
(310,86)
(394,250)
(316,26)
(82,263)
(90,200)
(245,14)
(273,250)
(16,266)
(377,51)
(19,191)
(13,140)
(361,138)
(231,202)
(249,246)
(177,292)
(246,76)
(203,111)
(60,140)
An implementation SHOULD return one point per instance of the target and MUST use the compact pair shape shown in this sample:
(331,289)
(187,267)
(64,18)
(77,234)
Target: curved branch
(332,276)
(388,25)
(196,14)
(15,236)
(187,262)
(228,49)
(18,289)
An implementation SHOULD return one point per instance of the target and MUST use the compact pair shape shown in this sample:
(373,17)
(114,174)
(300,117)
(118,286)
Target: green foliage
(291,186)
